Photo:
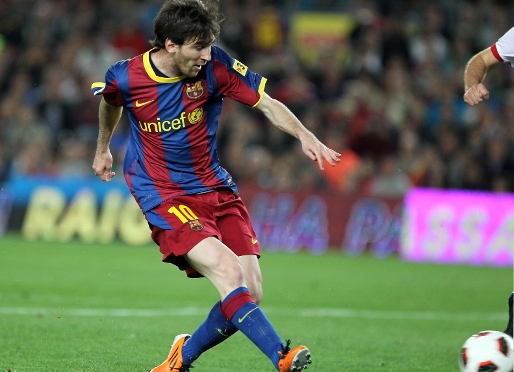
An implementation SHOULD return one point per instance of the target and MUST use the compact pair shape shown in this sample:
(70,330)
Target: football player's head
(187,22)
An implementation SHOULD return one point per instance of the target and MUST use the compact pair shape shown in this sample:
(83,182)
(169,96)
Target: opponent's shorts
(219,213)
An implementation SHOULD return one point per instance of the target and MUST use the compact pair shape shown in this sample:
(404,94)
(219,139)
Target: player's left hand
(317,151)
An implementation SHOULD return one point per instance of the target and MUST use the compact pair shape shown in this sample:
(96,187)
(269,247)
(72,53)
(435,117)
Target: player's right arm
(474,74)
(109,117)
(481,63)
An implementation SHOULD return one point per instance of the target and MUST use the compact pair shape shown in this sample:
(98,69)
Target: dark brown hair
(185,21)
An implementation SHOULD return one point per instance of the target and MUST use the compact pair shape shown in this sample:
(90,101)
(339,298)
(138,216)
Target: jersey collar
(151,73)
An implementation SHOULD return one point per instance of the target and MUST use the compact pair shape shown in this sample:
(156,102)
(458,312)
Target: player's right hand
(476,94)
(102,166)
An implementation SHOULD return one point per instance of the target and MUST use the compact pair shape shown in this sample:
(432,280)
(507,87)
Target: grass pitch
(77,307)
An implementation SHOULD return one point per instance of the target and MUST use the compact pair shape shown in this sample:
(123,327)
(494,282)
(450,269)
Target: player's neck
(163,62)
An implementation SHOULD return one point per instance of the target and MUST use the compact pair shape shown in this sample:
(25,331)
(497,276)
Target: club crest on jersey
(239,67)
(195,116)
(195,225)
(194,90)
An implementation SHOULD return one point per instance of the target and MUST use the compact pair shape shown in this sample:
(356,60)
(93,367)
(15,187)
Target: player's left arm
(284,119)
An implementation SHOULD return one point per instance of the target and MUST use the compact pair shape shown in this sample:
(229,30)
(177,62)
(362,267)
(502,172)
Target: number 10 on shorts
(186,215)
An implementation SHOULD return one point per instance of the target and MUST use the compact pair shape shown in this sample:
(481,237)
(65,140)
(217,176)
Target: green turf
(61,310)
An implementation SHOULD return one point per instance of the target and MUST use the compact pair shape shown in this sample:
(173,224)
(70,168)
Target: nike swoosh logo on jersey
(254,241)
(240,320)
(143,103)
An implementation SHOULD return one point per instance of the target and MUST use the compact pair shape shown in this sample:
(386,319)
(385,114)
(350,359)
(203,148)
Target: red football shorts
(219,213)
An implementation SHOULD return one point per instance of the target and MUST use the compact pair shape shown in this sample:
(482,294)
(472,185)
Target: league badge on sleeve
(239,67)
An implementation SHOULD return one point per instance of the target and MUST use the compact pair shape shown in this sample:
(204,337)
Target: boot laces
(285,349)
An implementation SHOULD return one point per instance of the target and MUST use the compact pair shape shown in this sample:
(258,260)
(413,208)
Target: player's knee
(254,284)
(232,274)
(256,294)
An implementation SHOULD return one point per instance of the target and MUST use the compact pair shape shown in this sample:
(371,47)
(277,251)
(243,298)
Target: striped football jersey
(173,122)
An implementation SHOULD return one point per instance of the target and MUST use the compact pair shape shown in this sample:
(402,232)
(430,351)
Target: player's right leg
(223,268)
(215,261)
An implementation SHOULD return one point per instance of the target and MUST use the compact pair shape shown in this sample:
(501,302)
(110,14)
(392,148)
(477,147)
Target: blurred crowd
(392,105)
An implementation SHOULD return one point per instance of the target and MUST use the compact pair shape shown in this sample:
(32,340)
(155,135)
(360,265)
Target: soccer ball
(487,351)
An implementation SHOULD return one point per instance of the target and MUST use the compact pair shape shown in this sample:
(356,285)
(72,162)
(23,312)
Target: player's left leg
(253,276)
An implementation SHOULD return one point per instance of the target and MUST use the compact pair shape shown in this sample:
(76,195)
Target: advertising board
(458,227)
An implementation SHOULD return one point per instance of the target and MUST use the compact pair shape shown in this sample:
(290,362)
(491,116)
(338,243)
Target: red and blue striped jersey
(173,122)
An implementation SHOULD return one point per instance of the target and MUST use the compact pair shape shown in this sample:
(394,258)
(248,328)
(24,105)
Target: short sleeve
(109,89)
(504,47)
(235,80)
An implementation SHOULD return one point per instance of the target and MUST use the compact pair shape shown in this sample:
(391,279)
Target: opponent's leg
(508,330)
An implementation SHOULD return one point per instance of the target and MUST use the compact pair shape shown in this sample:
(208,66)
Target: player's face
(189,58)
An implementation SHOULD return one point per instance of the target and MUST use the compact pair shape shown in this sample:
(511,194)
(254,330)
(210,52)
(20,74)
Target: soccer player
(475,91)
(478,66)
(173,95)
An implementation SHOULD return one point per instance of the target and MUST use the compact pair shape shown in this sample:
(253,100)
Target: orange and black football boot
(174,361)
(294,359)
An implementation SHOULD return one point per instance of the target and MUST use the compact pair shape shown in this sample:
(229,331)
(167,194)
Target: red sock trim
(234,303)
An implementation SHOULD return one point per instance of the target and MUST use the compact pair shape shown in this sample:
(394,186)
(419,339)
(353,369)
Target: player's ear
(170,46)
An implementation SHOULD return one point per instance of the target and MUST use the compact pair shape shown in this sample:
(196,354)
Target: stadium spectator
(412,91)
(340,177)
(389,180)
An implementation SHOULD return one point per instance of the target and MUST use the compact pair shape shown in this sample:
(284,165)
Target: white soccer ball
(487,351)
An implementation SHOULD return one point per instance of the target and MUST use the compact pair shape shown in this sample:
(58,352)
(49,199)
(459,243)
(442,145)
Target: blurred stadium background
(423,176)
(379,81)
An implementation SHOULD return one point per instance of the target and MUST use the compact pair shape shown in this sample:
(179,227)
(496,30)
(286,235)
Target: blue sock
(249,319)
(215,329)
